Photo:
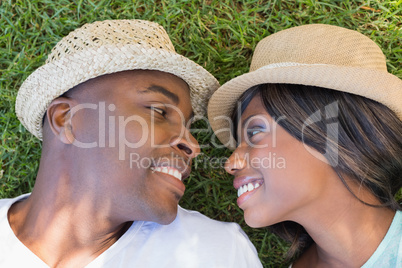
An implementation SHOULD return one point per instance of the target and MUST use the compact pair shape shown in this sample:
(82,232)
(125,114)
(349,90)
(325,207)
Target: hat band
(287,64)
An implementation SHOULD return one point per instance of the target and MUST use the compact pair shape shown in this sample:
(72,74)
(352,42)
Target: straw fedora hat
(106,47)
(316,55)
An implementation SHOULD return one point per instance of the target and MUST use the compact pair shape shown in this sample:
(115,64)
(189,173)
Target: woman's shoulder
(389,252)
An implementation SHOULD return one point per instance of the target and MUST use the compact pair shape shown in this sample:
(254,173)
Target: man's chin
(167,216)
(167,221)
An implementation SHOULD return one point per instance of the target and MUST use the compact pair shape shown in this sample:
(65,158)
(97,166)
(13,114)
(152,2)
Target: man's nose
(187,144)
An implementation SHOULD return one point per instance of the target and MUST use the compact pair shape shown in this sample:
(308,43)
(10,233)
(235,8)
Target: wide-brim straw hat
(317,55)
(106,47)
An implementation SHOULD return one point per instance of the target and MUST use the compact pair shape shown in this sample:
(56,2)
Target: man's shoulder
(6,203)
(13,252)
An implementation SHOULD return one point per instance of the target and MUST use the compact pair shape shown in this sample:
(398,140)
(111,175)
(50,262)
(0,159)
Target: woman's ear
(59,117)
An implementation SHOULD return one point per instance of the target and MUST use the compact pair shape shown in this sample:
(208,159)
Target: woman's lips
(246,187)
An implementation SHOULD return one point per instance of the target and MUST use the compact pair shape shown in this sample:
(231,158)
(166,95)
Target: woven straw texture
(317,55)
(106,47)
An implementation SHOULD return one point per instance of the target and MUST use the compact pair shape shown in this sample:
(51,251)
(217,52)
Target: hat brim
(377,85)
(53,79)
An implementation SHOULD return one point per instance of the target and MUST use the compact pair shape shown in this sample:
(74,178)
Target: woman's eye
(253,132)
(158,110)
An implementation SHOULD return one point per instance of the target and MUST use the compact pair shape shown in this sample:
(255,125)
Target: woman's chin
(254,223)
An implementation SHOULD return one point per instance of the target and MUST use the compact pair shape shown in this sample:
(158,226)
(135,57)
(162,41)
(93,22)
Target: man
(113,104)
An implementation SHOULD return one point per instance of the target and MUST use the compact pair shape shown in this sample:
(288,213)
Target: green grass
(218,34)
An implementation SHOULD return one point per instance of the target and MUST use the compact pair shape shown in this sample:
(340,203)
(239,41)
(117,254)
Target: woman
(318,130)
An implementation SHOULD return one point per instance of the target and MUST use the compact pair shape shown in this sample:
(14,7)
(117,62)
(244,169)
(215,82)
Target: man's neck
(63,233)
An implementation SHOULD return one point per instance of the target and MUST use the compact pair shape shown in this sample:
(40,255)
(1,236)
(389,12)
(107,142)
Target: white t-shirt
(191,240)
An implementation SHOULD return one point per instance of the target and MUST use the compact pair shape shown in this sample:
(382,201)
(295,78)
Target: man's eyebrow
(164,91)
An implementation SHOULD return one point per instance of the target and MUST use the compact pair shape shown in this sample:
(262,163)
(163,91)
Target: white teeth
(156,169)
(250,187)
(177,174)
(247,188)
(171,171)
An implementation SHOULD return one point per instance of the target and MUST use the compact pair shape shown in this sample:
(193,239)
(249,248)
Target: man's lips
(172,164)
(176,174)
(180,170)
(168,170)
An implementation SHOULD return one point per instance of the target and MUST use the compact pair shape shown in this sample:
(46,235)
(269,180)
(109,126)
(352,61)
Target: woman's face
(277,177)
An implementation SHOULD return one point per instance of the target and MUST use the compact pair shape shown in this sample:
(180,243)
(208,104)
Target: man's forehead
(149,80)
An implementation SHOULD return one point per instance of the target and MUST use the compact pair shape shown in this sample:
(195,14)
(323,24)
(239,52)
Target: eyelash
(158,110)
(254,131)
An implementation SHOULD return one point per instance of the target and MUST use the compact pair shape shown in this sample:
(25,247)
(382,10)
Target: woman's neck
(346,234)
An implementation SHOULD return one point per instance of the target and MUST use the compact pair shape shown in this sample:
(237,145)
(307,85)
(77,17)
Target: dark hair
(364,143)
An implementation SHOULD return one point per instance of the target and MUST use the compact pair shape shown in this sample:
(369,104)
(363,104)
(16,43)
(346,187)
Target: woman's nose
(237,161)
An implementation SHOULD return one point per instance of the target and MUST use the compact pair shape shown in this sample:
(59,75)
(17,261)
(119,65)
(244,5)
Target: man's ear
(59,117)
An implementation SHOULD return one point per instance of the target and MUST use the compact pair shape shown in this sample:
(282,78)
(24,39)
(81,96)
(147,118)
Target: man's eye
(158,110)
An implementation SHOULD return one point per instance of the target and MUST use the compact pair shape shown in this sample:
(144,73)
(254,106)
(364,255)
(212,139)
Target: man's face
(142,147)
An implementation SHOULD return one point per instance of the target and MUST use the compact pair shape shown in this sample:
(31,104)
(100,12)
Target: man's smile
(168,170)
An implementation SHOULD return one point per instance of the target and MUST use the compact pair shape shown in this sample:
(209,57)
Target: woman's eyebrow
(159,89)
(243,123)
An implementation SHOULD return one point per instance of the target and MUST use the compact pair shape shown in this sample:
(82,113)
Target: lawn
(218,34)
